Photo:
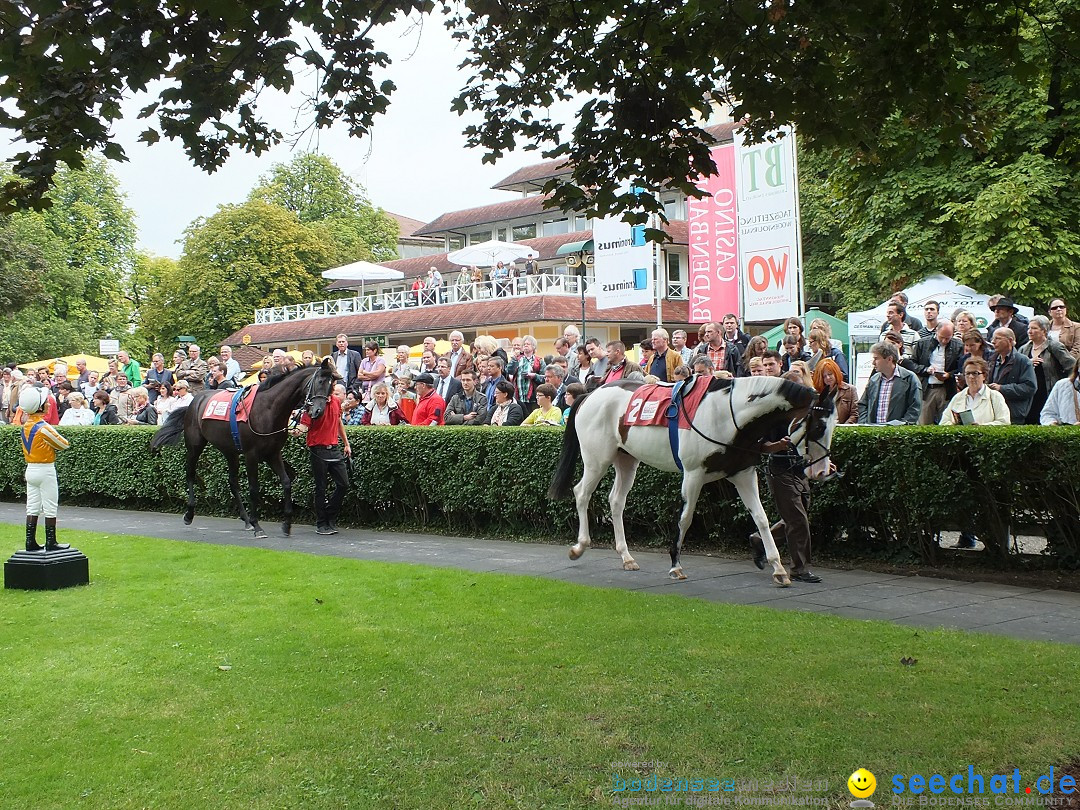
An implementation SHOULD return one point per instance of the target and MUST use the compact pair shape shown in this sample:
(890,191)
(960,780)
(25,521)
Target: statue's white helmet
(32,398)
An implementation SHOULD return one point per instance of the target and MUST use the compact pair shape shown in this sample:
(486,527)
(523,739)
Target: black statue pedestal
(46,570)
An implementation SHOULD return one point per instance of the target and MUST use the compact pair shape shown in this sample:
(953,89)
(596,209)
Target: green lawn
(190,675)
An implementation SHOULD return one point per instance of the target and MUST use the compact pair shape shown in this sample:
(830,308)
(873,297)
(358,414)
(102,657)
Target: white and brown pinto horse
(723,441)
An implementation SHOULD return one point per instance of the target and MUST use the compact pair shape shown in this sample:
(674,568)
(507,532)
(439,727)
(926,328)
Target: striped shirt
(884,394)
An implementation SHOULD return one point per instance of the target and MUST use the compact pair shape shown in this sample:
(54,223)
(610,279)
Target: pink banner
(714,241)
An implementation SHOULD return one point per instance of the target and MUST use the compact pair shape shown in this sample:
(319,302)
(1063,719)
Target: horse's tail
(170,431)
(563,479)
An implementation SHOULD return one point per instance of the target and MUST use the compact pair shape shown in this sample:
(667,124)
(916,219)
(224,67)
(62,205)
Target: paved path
(1029,613)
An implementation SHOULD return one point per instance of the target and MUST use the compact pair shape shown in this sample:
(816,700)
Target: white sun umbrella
(363,271)
(490,253)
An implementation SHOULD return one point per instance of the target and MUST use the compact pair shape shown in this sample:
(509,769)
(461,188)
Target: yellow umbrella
(441,347)
(93,363)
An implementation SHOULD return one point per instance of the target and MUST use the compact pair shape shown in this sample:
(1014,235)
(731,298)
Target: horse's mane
(798,395)
(275,378)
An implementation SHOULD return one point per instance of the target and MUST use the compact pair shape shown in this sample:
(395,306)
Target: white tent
(951,295)
(864,328)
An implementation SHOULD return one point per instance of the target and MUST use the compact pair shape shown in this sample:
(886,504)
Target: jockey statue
(40,442)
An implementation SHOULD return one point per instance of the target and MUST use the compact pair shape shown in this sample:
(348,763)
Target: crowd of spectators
(943,371)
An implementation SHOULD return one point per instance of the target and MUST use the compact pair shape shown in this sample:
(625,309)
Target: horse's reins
(309,397)
(795,424)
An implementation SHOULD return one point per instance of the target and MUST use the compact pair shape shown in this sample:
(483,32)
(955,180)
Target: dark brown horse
(262,435)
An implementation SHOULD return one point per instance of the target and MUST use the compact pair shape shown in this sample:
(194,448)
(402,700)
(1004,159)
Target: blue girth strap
(672,415)
(233,405)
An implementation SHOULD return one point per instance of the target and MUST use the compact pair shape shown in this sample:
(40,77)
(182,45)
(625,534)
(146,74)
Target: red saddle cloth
(649,404)
(217,407)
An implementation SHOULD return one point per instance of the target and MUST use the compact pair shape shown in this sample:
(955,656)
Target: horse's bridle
(309,397)
(801,462)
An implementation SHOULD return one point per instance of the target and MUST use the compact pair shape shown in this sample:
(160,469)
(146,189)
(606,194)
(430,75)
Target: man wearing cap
(1006,312)
(431,408)
(40,441)
(326,460)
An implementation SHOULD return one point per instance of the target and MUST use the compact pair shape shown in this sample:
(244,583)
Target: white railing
(453,293)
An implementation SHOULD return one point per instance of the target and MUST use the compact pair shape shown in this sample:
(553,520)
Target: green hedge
(901,486)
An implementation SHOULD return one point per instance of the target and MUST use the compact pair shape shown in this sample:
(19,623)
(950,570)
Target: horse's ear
(326,364)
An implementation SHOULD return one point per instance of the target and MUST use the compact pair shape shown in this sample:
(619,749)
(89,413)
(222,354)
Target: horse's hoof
(782,580)
(188,517)
(630,565)
(677,573)
(574,553)
(247,526)
(286,529)
(260,534)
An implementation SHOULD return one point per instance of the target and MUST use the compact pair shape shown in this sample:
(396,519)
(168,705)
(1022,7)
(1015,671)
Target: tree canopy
(643,74)
(243,257)
(64,269)
(316,189)
(999,211)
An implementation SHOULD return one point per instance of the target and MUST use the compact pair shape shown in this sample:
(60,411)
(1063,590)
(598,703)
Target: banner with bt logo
(744,239)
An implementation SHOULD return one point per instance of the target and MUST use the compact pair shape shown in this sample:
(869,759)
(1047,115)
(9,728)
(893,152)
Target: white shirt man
(232,368)
(678,343)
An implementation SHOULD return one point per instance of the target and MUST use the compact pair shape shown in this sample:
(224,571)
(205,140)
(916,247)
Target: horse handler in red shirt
(327,460)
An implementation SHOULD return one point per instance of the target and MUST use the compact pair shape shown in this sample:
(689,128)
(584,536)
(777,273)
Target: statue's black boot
(31,533)
(50,536)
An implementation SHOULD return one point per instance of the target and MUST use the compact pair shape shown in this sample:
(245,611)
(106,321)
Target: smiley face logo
(862,784)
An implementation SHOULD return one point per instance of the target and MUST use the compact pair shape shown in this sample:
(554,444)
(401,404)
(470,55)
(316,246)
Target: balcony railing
(544,284)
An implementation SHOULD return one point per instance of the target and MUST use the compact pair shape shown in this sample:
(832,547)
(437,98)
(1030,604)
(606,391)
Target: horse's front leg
(582,495)
(692,482)
(746,483)
(626,467)
(277,464)
(233,462)
(193,453)
(253,488)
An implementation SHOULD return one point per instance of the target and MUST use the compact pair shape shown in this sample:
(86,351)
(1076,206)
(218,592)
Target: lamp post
(579,263)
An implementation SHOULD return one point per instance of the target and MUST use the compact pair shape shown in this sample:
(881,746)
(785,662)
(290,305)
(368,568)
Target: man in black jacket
(1012,374)
(934,360)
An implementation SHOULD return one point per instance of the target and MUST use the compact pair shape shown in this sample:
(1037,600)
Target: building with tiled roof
(541,305)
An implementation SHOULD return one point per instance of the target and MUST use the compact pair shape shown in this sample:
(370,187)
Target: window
(553,227)
(581,222)
(477,237)
(674,269)
(524,232)
(502,235)
(455,243)
(674,206)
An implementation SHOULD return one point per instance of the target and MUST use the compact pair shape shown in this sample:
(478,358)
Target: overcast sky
(413,163)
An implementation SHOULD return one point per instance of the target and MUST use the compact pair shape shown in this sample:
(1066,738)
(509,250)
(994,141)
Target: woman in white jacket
(1063,405)
(77,413)
(983,405)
